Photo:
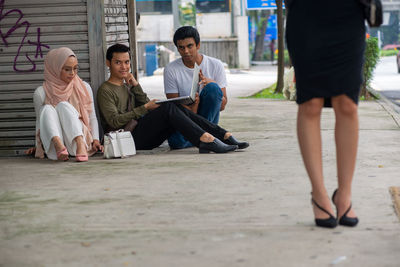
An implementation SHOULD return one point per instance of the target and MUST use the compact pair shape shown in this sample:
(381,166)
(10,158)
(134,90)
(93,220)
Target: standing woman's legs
(72,129)
(309,136)
(346,137)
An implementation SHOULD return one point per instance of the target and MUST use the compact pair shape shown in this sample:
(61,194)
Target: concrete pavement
(240,82)
(180,208)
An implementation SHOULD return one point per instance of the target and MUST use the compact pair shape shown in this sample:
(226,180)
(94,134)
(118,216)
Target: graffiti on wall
(28,38)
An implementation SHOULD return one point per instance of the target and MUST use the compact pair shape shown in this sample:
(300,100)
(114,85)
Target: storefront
(27,33)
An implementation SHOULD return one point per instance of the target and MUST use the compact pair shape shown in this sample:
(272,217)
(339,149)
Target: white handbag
(119,144)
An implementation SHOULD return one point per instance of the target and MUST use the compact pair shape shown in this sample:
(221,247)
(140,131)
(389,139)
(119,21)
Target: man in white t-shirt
(178,80)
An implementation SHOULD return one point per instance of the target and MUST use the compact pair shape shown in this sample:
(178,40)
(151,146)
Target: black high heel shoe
(232,141)
(344,220)
(216,146)
(330,222)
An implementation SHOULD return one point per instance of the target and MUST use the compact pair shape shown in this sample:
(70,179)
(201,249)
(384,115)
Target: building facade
(222,24)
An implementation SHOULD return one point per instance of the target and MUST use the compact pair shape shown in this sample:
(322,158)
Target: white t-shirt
(178,77)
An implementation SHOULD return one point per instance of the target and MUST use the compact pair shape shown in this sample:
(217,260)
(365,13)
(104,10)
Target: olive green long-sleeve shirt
(113,103)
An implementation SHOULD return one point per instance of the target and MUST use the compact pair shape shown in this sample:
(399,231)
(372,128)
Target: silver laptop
(189,99)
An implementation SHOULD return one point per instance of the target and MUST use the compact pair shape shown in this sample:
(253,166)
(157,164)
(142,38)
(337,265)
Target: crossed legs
(209,108)
(156,126)
(346,138)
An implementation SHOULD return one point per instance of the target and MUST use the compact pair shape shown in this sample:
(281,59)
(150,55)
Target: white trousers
(62,121)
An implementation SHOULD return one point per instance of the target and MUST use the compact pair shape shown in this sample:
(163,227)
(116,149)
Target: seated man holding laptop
(178,76)
(189,99)
(121,100)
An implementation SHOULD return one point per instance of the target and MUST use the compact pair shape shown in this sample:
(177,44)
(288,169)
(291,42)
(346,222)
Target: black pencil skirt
(326,42)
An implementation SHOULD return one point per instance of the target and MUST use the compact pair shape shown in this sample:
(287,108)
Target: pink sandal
(63,154)
(81,158)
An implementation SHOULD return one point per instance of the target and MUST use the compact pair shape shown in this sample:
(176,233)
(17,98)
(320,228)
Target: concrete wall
(155,28)
(211,26)
(160,27)
(214,25)
(391,5)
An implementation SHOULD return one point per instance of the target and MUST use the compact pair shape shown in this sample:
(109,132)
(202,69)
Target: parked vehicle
(391,47)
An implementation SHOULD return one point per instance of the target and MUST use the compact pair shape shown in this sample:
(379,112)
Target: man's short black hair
(186,32)
(117,48)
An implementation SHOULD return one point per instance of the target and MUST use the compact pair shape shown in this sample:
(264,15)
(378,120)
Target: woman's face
(69,70)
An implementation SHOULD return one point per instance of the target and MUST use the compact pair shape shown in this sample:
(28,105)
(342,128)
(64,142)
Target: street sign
(261,4)
(272,29)
(270,34)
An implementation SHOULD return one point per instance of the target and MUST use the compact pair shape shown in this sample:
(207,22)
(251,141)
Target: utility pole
(175,13)
(281,55)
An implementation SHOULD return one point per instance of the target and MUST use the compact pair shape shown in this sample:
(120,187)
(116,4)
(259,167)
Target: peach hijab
(57,90)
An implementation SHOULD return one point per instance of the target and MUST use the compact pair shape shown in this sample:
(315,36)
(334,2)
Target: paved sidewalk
(240,82)
(181,208)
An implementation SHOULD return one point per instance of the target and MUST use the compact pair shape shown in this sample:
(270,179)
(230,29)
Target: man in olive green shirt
(121,100)
(113,101)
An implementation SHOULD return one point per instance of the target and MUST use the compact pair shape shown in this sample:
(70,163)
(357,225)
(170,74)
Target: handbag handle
(373,13)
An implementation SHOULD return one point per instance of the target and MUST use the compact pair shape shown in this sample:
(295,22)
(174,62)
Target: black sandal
(330,222)
(344,220)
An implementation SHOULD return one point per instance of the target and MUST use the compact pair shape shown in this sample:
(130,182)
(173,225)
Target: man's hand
(151,105)
(223,103)
(195,105)
(96,146)
(204,80)
(130,79)
(197,100)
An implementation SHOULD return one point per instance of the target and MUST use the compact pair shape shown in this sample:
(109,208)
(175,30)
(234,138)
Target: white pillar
(242,33)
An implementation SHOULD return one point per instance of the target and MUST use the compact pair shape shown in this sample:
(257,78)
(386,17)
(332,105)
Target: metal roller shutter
(28,30)
(120,26)
(116,20)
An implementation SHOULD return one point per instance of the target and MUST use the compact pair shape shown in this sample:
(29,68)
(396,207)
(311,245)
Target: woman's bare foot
(325,202)
(342,202)
(80,146)
(61,150)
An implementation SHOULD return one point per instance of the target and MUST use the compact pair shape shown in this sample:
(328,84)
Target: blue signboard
(261,4)
(270,33)
(272,29)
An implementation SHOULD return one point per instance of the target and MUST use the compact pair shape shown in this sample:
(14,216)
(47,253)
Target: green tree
(260,17)
(371,60)
(187,14)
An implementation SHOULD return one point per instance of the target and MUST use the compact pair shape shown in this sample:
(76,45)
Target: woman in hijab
(66,122)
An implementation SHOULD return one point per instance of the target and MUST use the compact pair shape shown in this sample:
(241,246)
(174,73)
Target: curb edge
(389,106)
